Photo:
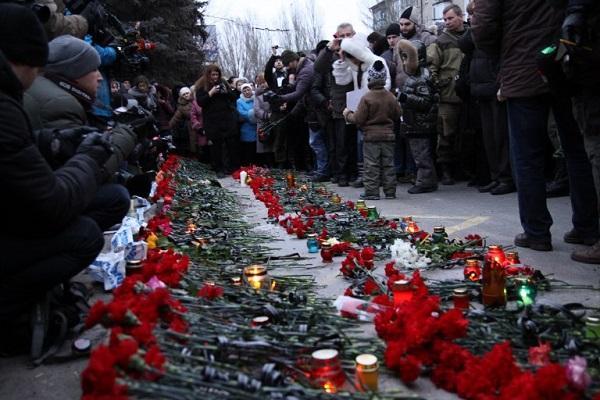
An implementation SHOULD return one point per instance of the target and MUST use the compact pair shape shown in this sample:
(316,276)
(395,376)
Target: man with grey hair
(341,137)
(444,58)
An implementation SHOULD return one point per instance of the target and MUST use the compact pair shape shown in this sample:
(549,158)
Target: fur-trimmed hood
(411,66)
(359,49)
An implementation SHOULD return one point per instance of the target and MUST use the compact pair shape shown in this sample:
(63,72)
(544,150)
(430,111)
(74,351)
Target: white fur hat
(184,90)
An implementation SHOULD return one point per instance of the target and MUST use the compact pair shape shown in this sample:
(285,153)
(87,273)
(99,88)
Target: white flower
(405,255)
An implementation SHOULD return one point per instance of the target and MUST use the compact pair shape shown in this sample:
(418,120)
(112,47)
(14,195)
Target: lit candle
(243,177)
(336,199)
(291,180)
(402,292)
(412,227)
(256,276)
(367,372)
(493,279)
(327,370)
(512,258)
(472,270)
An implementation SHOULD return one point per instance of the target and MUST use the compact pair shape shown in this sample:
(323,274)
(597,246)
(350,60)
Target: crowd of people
(478,101)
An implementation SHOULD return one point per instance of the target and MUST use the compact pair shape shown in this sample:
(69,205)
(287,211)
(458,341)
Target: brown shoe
(590,255)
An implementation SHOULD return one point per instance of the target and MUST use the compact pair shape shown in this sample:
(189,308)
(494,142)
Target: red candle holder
(402,291)
(460,298)
(493,279)
(327,370)
(326,253)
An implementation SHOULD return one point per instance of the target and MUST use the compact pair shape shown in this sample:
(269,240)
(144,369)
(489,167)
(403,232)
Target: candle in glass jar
(360,205)
(460,298)
(327,370)
(402,292)
(512,258)
(592,328)
(493,291)
(291,180)
(372,213)
(336,199)
(326,253)
(312,243)
(259,321)
(412,227)
(256,276)
(367,372)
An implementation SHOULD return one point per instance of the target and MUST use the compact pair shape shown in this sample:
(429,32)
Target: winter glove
(97,146)
(402,97)
(574,27)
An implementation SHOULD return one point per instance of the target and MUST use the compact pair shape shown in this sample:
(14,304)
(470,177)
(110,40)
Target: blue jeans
(316,140)
(528,123)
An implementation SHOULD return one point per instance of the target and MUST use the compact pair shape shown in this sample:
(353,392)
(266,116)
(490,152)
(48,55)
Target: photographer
(56,23)
(51,224)
(63,97)
(218,104)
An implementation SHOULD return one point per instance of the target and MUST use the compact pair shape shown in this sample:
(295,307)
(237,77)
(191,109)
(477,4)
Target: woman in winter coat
(197,123)
(262,113)
(144,93)
(181,119)
(245,107)
(218,104)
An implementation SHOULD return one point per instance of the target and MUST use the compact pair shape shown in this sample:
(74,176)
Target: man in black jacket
(47,238)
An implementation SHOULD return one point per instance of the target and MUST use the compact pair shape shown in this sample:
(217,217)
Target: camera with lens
(222,88)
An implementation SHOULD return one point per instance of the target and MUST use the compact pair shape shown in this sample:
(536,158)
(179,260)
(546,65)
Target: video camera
(107,30)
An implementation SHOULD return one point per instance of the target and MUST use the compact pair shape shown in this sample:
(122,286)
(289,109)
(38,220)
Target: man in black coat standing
(46,234)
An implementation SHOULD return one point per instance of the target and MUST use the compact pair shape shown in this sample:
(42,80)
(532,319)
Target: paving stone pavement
(461,209)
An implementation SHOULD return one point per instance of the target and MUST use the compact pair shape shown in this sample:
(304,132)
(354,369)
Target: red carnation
(210,292)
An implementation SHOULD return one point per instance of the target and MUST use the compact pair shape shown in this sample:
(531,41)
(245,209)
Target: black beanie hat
(393,29)
(22,37)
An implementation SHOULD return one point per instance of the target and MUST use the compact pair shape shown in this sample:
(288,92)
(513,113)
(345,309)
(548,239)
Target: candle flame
(191,228)
(329,387)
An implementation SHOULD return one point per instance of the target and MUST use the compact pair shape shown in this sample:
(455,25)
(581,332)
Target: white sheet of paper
(353,98)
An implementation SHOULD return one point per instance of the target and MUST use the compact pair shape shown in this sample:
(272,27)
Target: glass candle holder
(439,234)
(259,321)
(372,213)
(312,243)
(326,253)
(526,290)
(367,372)
(512,258)
(460,298)
(360,205)
(592,328)
(402,291)
(336,199)
(472,270)
(412,227)
(256,277)
(493,279)
(327,370)
(236,281)
(290,179)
